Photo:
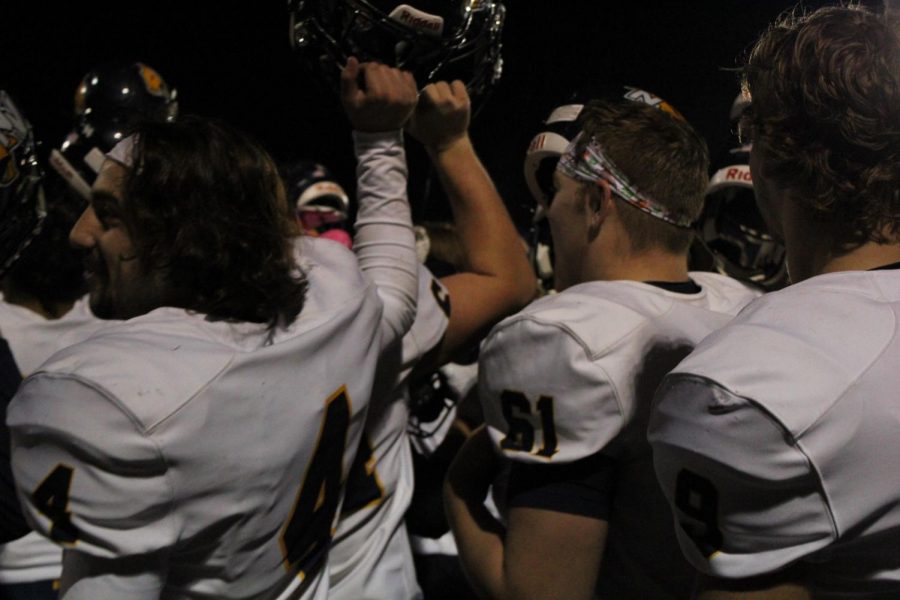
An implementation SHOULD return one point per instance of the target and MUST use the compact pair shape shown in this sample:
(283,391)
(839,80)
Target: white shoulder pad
(545,395)
(778,350)
(106,495)
(745,498)
(157,346)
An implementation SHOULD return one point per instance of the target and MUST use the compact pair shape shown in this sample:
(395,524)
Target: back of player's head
(662,157)
(21,191)
(206,208)
(562,125)
(826,115)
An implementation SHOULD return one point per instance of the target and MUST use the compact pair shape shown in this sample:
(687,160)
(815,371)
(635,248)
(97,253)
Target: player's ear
(599,204)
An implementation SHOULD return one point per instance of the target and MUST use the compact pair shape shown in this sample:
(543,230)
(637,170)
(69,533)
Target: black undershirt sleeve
(584,487)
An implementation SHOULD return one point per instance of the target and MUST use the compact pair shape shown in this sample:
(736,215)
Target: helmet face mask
(22,206)
(435,40)
(735,234)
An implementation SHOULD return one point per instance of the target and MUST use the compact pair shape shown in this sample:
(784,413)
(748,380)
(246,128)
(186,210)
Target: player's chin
(102,305)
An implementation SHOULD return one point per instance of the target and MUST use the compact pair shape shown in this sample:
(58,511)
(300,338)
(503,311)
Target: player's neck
(866,257)
(651,265)
(48,310)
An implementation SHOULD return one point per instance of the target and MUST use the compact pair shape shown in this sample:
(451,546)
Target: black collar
(889,267)
(679,287)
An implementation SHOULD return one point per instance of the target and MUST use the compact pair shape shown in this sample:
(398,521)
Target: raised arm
(498,279)
(378,101)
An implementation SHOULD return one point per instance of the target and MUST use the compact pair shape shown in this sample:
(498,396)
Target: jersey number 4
(306,537)
(52,498)
(520,434)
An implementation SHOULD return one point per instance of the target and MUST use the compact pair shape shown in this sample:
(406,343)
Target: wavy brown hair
(207,213)
(825,88)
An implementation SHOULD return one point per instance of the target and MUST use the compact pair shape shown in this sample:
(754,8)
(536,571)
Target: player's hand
(377,97)
(442,115)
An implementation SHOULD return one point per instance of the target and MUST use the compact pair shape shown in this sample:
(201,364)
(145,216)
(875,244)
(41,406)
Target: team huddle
(224,378)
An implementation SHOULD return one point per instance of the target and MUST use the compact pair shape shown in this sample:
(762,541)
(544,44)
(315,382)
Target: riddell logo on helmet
(537,143)
(737,174)
(419,20)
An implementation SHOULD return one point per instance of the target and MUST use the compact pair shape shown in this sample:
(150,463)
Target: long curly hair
(825,88)
(207,213)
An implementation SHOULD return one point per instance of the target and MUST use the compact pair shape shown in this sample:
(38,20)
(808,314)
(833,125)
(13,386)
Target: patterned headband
(593,166)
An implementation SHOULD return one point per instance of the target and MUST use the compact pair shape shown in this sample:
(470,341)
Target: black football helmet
(733,231)
(109,100)
(434,39)
(22,206)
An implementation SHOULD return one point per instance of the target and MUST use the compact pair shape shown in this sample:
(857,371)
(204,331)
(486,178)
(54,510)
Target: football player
(456,41)
(776,440)
(566,384)
(199,447)
(22,211)
(371,558)
(43,309)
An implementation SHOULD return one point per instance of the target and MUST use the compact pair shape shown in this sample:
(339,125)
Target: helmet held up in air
(433,39)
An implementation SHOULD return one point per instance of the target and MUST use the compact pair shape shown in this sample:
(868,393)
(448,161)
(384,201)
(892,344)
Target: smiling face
(119,288)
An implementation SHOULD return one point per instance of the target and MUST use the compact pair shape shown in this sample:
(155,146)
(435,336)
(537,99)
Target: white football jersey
(573,375)
(32,340)
(208,457)
(371,557)
(778,439)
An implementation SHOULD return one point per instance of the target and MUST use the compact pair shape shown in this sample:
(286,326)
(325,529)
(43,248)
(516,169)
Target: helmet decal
(153,82)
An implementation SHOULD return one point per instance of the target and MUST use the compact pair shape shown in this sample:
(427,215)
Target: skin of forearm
(490,239)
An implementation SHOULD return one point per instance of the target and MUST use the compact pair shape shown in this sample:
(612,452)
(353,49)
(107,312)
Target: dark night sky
(232,60)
